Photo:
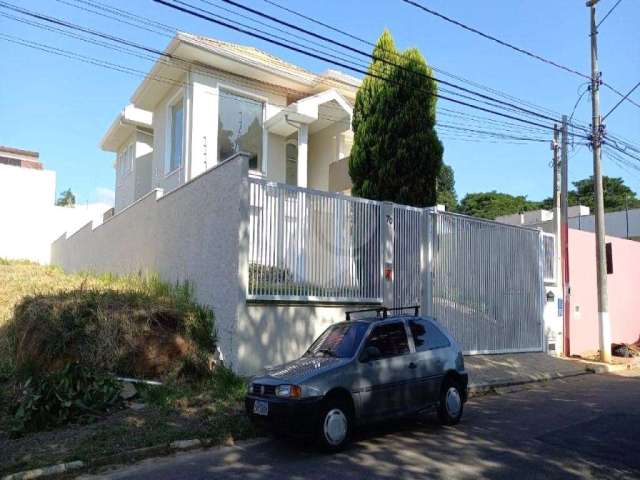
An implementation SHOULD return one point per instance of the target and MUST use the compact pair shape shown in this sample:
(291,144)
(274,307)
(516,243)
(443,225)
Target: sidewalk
(487,372)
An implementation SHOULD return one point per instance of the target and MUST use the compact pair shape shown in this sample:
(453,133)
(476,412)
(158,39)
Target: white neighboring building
(622,224)
(29,218)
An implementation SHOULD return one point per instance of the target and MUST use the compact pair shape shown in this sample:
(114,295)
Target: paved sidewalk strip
(492,371)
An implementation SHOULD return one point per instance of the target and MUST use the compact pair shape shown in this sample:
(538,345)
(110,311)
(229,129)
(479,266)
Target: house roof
(236,59)
(125,123)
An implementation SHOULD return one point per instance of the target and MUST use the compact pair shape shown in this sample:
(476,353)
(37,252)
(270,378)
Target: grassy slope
(210,409)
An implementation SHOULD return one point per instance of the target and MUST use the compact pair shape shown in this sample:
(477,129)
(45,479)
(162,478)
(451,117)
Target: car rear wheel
(335,426)
(451,404)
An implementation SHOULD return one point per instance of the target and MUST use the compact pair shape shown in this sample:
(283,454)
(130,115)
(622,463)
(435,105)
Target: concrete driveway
(579,427)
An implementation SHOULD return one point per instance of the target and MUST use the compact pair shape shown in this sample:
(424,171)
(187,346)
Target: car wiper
(328,351)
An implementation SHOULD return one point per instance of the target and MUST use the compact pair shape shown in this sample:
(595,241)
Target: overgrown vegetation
(75,393)
(130,325)
(62,340)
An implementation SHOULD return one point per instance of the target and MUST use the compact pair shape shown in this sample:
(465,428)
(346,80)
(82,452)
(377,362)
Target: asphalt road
(580,427)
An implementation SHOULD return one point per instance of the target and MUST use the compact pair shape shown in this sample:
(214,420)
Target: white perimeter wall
(29,220)
(191,233)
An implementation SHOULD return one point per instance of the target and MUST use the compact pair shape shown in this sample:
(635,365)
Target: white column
(303,138)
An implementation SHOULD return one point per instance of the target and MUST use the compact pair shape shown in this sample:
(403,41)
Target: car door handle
(412,366)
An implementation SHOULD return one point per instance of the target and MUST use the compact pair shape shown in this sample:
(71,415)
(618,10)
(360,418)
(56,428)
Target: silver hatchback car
(360,371)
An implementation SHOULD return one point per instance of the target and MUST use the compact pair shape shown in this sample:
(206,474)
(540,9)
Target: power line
(116,39)
(435,68)
(511,46)
(608,13)
(363,53)
(337,30)
(96,4)
(495,39)
(621,100)
(344,65)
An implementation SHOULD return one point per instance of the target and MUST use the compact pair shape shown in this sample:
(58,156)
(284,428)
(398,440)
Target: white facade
(28,215)
(292,122)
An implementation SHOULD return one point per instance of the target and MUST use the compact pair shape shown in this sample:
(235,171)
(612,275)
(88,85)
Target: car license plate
(261,408)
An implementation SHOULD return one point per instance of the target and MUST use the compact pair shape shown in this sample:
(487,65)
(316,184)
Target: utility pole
(555,147)
(564,237)
(596,143)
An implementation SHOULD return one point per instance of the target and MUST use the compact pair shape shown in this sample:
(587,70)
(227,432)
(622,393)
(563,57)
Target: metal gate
(408,226)
(487,283)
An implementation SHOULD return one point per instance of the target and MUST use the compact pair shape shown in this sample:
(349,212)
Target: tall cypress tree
(396,154)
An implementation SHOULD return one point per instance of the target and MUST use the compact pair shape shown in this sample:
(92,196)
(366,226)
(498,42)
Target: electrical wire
(494,39)
(608,13)
(347,66)
(511,46)
(621,100)
(96,4)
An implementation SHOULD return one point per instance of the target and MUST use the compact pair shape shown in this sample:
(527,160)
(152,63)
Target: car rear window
(390,339)
(427,335)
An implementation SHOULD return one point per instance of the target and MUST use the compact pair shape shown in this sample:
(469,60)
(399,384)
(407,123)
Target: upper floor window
(176,118)
(240,122)
(291,168)
(129,158)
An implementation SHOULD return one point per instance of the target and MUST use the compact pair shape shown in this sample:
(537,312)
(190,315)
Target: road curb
(45,471)
(485,388)
(122,457)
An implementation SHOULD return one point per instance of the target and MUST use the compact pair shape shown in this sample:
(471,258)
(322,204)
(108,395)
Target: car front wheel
(451,404)
(335,425)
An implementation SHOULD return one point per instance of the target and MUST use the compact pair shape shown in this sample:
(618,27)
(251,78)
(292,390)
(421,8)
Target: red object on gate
(388,273)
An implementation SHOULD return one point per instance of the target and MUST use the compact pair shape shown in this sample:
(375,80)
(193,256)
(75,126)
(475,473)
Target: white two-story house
(206,100)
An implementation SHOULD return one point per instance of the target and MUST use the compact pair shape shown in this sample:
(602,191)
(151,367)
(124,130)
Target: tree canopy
(616,195)
(446,188)
(66,199)
(396,154)
(494,204)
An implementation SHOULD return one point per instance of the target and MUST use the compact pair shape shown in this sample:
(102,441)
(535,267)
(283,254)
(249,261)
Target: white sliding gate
(487,283)
(483,280)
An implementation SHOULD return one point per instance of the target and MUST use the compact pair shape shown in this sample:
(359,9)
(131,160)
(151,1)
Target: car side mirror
(371,353)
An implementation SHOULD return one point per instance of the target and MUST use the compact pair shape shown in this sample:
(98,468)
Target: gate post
(388,236)
(426,259)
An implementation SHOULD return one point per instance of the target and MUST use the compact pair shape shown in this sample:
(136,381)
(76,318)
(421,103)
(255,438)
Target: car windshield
(340,340)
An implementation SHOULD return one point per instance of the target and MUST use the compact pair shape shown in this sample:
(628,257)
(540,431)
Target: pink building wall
(623,289)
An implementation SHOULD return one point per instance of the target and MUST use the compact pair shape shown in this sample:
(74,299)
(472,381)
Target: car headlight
(250,387)
(288,391)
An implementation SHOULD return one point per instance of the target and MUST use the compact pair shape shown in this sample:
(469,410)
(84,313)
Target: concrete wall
(26,187)
(323,150)
(339,179)
(623,284)
(269,334)
(191,233)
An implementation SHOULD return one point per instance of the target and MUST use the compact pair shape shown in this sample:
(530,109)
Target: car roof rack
(384,311)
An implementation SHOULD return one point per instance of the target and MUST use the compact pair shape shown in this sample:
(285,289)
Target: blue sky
(61,107)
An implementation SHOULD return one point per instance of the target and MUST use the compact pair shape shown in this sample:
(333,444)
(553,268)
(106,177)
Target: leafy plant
(74,393)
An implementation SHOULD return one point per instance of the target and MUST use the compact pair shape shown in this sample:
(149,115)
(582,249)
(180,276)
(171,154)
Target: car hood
(303,368)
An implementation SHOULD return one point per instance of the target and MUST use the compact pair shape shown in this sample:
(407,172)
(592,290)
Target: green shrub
(74,393)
